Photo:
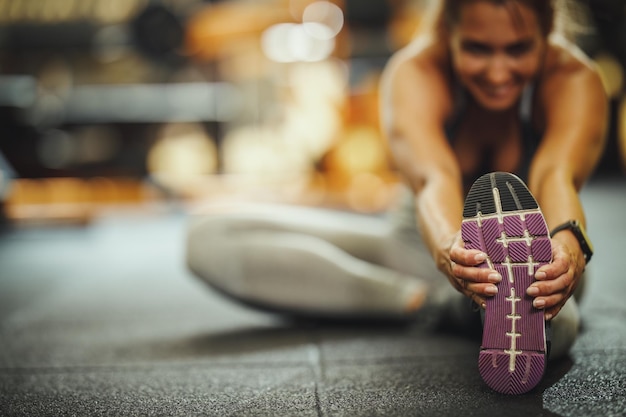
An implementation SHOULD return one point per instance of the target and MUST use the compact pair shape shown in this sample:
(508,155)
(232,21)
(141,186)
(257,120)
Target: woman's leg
(565,329)
(566,324)
(302,261)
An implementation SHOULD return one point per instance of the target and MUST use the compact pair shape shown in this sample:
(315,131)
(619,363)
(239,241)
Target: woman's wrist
(441,253)
(570,241)
(578,230)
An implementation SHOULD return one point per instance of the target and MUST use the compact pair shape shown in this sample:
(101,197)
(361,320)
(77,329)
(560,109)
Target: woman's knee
(208,250)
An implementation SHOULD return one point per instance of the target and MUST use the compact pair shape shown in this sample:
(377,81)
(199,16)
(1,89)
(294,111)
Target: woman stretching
(492,88)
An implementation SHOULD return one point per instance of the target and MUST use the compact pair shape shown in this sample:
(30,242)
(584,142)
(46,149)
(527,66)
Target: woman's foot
(503,219)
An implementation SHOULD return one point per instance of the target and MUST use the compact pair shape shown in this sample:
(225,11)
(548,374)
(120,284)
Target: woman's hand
(469,273)
(557,281)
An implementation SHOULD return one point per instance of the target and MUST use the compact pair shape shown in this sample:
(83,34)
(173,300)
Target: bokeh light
(290,42)
(323,19)
(611,74)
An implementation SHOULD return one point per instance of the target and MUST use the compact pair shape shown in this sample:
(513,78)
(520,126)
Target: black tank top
(530,137)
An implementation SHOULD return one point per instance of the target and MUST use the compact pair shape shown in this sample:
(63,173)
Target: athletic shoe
(503,219)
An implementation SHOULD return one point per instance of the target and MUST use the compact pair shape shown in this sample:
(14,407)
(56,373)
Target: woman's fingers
(555,281)
(483,289)
(473,274)
(551,304)
(550,313)
(545,288)
(475,282)
(467,257)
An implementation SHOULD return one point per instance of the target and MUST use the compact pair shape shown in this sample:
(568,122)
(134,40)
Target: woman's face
(496,51)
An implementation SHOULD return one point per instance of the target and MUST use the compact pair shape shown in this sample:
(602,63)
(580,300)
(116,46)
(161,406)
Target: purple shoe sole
(502,218)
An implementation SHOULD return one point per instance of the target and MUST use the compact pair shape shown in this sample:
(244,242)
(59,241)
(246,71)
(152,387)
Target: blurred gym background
(148,104)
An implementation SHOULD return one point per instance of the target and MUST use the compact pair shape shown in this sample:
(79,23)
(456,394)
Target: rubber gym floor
(106,320)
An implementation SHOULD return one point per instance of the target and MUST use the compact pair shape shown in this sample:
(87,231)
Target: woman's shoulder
(423,65)
(568,84)
(424,56)
(566,61)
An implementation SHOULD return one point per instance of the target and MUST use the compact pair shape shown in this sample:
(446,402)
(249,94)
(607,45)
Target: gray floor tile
(179,390)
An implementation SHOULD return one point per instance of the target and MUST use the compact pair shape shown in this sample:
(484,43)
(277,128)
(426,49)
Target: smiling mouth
(499,91)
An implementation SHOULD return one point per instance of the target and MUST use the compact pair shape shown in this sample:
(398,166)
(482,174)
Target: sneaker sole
(503,219)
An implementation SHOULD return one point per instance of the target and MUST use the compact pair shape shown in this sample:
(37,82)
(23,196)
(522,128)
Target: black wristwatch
(579,231)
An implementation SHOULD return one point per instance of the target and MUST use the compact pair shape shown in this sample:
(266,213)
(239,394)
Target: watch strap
(579,232)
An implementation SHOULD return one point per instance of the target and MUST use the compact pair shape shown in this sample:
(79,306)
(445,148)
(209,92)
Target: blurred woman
(492,86)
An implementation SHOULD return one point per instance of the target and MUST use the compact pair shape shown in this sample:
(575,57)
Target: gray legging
(330,264)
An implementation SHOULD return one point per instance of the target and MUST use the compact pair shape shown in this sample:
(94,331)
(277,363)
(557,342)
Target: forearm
(439,211)
(573,141)
(557,195)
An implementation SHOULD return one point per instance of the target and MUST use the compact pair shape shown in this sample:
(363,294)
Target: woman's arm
(415,101)
(575,110)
